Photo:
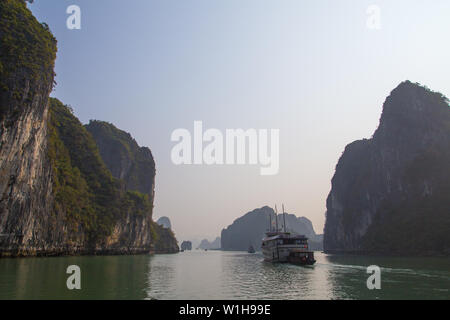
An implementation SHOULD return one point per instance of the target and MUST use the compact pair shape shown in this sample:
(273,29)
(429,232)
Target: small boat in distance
(251,249)
(282,246)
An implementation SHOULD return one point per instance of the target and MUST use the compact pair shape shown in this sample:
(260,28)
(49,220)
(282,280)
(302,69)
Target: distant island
(164,222)
(390,193)
(250,230)
(186,245)
(65,188)
(213,245)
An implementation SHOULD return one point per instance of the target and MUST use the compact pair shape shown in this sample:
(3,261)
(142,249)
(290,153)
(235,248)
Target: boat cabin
(281,239)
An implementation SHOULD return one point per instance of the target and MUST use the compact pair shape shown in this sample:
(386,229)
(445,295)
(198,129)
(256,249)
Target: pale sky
(312,69)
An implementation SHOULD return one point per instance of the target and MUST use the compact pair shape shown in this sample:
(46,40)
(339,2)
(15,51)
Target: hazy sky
(312,69)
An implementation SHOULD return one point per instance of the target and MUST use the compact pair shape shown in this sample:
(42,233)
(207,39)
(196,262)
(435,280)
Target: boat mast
(276,217)
(284,219)
(270,222)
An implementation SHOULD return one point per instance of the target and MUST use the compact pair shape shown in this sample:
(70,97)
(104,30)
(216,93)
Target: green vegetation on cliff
(59,197)
(164,239)
(27,55)
(123,156)
(92,199)
(135,166)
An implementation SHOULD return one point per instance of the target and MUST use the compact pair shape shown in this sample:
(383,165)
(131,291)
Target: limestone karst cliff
(390,193)
(98,213)
(124,157)
(27,55)
(165,240)
(57,196)
(135,166)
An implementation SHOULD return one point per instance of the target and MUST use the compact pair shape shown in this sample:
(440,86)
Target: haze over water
(223,275)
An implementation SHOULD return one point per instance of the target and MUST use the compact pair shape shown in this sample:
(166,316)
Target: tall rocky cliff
(135,166)
(250,229)
(56,194)
(390,193)
(27,55)
(124,158)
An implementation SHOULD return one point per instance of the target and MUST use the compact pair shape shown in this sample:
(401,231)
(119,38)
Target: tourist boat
(282,246)
(301,257)
(251,249)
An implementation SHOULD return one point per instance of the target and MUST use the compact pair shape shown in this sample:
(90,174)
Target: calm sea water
(223,275)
